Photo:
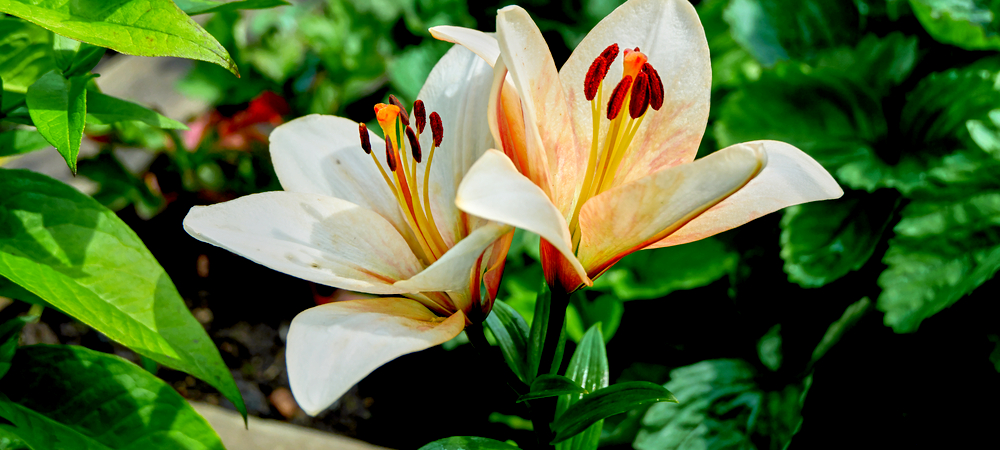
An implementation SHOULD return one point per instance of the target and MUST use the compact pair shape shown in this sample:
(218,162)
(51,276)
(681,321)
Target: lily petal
(479,42)
(333,346)
(550,142)
(790,177)
(632,216)
(317,238)
(494,189)
(671,35)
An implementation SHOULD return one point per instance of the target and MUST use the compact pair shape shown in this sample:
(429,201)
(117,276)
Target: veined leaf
(467,443)
(74,397)
(105,109)
(135,27)
(58,107)
(550,385)
(511,333)
(606,402)
(194,7)
(25,54)
(587,368)
(74,253)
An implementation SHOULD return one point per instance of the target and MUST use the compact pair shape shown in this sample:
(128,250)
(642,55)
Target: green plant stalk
(543,411)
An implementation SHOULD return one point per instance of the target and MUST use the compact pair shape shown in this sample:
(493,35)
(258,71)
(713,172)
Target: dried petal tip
(403,115)
(437,129)
(640,96)
(609,54)
(655,87)
(366,142)
(419,115)
(390,157)
(414,143)
(598,70)
(618,97)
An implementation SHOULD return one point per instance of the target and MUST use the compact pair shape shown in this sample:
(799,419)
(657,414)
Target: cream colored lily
(598,157)
(357,217)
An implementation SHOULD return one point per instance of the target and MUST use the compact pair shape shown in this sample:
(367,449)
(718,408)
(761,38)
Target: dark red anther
(437,129)
(640,96)
(655,87)
(390,157)
(419,115)
(414,143)
(618,97)
(636,49)
(366,142)
(403,115)
(598,70)
(609,54)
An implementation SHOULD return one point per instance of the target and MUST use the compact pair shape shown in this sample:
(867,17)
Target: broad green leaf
(823,241)
(10,334)
(969,24)
(105,109)
(511,333)
(942,251)
(550,385)
(582,314)
(69,250)
(467,443)
(851,316)
(58,107)
(74,57)
(25,54)
(606,402)
(775,30)
(18,141)
(74,397)
(193,7)
(135,27)
(731,63)
(721,406)
(655,273)
(878,62)
(10,290)
(587,368)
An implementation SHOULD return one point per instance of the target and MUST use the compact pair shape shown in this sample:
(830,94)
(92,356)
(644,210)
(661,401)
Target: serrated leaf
(550,385)
(655,273)
(74,253)
(73,397)
(511,333)
(587,368)
(19,141)
(467,443)
(135,27)
(823,241)
(25,54)
(775,30)
(606,402)
(105,109)
(969,24)
(10,334)
(194,7)
(58,108)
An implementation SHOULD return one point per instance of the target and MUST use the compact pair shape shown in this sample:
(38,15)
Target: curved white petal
(451,272)
(548,133)
(322,239)
(457,89)
(480,43)
(790,177)
(632,216)
(671,34)
(495,190)
(333,346)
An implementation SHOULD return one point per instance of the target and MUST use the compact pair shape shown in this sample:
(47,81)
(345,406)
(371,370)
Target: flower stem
(544,410)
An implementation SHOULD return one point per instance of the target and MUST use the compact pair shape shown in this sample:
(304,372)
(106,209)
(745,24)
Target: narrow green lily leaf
(539,326)
(194,7)
(588,368)
(550,385)
(135,27)
(105,109)
(73,397)
(16,142)
(10,334)
(58,107)
(66,248)
(511,333)
(607,402)
(467,443)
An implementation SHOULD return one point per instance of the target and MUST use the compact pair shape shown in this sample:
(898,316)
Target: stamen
(437,129)
(640,96)
(419,115)
(655,87)
(402,109)
(366,142)
(414,144)
(598,70)
(618,97)
(390,157)
(609,54)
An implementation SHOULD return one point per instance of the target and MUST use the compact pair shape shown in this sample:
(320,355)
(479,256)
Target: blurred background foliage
(872,318)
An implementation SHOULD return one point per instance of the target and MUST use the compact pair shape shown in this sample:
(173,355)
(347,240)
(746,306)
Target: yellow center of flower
(640,88)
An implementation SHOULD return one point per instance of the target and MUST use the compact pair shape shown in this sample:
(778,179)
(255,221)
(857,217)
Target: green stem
(544,410)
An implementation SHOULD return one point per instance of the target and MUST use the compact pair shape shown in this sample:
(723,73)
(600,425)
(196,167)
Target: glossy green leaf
(511,333)
(655,273)
(105,109)
(10,334)
(135,27)
(66,248)
(18,141)
(536,335)
(587,368)
(606,402)
(851,316)
(58,107)
(193,7)
(823,241)
(25,54)
(467,443)
(721,406)
(969,24)
(74,397)
(775,30)
(11,290)
(550,385)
